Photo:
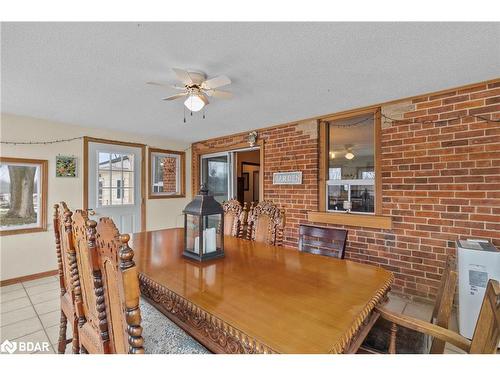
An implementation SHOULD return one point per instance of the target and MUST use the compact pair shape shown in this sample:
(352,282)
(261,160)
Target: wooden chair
(68,276)
(232,217)
(266,224)
(92,319)
(486,335)
(110,317)
(121,287)
(440,315)
(322,241)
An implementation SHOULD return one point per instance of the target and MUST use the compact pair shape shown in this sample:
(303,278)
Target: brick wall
(169,175)
(440,182)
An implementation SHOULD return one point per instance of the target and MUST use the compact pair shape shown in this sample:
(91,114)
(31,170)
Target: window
(350,171)
(23,195)
(166,170)
(350,185)
(116,179)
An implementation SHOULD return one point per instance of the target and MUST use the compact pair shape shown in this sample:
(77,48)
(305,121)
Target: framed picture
(166,173)
(246,181)
(66,166)
(23,195)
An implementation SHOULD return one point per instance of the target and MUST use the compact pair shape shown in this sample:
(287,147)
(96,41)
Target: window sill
(10,232)
(355,220)
(166,196)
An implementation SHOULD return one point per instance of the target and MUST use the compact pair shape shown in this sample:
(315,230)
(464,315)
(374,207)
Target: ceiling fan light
(349,155)
(194,103)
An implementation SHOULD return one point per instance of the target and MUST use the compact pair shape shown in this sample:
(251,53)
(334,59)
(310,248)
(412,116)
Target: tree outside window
(23,195)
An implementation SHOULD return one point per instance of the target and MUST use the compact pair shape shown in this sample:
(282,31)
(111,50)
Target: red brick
(486,109)
(415,113)
(485,94)
(440,182)
(490,218)
(452,115)
(494,100)
(434,103)
(471,104)
(462,142)
(443,95)
(473,89)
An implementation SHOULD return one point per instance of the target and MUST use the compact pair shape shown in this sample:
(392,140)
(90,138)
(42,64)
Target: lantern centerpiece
(203,223)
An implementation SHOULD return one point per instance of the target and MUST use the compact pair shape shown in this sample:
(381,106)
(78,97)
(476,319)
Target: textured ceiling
(94,74)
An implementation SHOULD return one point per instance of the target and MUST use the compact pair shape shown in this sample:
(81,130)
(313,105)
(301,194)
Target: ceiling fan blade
(220,94)
(215,82)
(204,97)
(158,84)
(183,76)
(176,87)
(176,96)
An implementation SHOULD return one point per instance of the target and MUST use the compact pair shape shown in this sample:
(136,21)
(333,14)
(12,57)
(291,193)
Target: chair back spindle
(70,271)
(59,254)
(68,247)
(69,280)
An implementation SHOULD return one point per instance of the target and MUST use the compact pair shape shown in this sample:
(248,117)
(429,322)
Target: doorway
(233,174)
(215,173)
(248,176)
(113,183)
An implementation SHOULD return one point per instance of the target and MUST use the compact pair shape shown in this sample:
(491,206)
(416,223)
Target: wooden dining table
(260,298)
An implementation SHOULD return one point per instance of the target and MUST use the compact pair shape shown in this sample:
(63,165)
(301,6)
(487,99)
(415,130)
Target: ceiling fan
(196,88)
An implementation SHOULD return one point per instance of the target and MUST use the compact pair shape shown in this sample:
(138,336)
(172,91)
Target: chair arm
(426,328)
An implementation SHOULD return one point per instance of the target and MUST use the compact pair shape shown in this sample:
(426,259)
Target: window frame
(373,220)
(181,174)
(43,165)
(351,182)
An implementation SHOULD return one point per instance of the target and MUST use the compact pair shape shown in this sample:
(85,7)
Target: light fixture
(252,138)
(332,155)
(195,102)
(349,155)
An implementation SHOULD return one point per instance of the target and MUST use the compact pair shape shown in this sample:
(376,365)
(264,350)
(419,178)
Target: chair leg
(392,342)
(61,345)
(76,341)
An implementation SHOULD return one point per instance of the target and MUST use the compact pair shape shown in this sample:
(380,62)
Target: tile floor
(421,311)
(30,312)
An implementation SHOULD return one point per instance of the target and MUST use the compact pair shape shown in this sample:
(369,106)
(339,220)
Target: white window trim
(366,182)
(111,188)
